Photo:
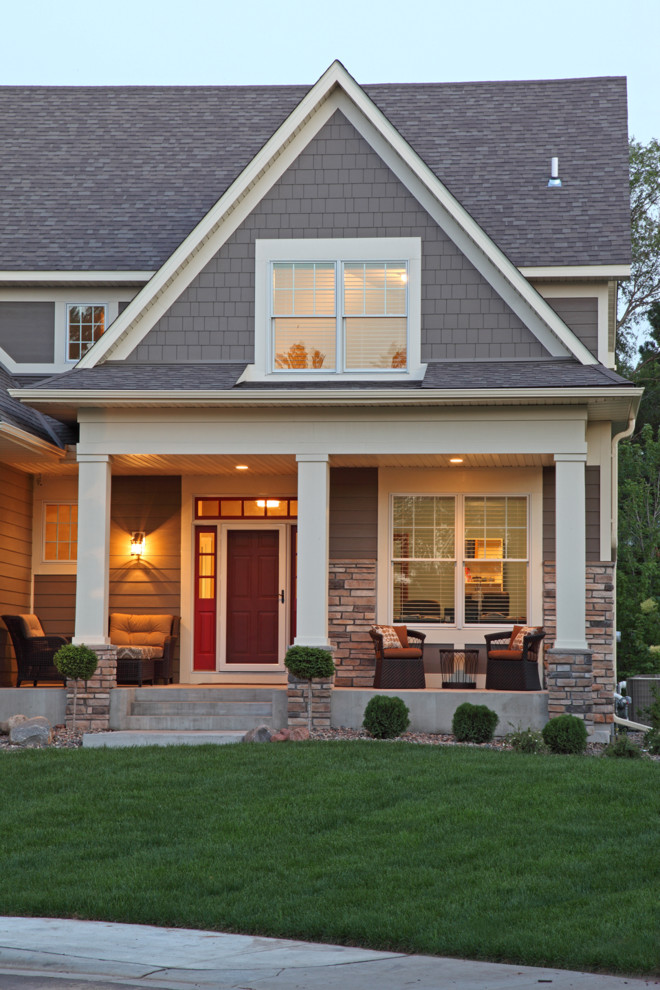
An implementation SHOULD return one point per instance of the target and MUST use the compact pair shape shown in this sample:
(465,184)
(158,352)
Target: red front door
(253,567)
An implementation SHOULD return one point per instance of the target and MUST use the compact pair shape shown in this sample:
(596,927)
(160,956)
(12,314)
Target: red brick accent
(298,699)
(351,613)
(93,703)
(600,631)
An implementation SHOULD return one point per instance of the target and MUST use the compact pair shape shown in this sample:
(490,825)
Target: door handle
(281,596)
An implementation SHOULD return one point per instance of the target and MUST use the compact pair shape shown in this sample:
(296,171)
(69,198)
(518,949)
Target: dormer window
(341,308)
(339,316)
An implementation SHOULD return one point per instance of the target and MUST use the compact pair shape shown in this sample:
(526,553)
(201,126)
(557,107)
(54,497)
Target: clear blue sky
(142,42)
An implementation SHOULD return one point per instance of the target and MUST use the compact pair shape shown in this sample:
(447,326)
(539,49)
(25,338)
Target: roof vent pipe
(554,182)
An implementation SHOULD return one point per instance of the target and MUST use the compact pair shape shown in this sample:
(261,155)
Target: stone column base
(569,679)
(93,701)
(298,701)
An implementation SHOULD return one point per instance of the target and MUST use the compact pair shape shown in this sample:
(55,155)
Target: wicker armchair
(509,669)
(145,646)
(34,650)
(401,667)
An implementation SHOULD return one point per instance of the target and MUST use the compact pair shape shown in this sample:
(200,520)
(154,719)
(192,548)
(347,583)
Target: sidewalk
(180,958)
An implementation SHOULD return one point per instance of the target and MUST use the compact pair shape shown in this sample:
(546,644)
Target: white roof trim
(575,271)
(142,312)
(75,276)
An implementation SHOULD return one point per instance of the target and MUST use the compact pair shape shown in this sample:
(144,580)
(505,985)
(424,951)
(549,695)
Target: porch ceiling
(264,464)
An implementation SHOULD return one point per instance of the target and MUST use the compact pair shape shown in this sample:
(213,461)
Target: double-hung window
(345,307)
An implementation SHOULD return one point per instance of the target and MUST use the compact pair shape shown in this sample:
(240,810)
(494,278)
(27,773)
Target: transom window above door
(327,309)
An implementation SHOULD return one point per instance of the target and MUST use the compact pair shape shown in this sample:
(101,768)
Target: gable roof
(114,178)
(17,416)
(335,89)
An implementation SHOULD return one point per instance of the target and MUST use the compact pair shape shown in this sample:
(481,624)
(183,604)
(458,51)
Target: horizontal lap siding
(353,513)
(592,498)
(151,585)
(16,558)
(55,603)
(581,315)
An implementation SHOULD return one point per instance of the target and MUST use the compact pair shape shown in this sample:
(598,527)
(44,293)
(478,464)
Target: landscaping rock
(260,734)
(30,732)
(282,735)
(298,734)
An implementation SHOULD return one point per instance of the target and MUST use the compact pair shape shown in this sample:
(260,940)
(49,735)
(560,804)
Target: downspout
(614,513)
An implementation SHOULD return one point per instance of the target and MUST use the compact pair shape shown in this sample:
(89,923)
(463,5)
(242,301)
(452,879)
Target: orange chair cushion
(31,626)
(139,630)
(402,654)
(519,633)
(394,637)
(505,654)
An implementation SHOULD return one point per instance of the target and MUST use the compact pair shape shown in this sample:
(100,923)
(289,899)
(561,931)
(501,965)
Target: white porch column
(570,536)
(313,550)
(94,479)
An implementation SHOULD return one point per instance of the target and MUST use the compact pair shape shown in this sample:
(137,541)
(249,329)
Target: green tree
(638,571)
(643,288)
(647,373)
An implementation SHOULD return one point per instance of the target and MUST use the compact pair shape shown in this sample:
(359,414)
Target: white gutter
(455,396)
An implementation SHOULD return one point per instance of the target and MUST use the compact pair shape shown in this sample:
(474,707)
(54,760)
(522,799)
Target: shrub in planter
(76,663)
(308,662)
(565,734)
(652,742)
(526,740)
(386,717)
(474,723)
(623,748)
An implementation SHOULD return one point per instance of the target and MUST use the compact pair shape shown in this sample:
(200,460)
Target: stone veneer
(352,612)
(299,695)
(93,703)
(568,687)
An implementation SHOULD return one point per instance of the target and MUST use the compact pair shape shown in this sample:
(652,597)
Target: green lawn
(462,852)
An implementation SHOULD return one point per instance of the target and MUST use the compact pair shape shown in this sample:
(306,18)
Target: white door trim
(283,608)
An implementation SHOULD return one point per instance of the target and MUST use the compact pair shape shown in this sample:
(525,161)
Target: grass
(549,861)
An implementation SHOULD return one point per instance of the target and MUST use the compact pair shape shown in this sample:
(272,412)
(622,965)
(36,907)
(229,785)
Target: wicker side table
(459,669)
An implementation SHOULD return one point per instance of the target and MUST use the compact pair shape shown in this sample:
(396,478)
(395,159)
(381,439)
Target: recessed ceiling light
(242,467)
(455,460)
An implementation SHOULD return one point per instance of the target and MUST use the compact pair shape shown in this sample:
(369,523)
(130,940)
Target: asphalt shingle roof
(14,413)
(439,375)
(115,177)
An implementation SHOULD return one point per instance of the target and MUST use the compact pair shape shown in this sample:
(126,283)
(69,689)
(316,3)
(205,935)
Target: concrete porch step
(194,722)
(119,740)
(251,709)
(214,694)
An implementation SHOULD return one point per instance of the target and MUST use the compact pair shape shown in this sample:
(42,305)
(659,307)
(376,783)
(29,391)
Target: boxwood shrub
(308,662)
(565,734)
(474,723)
(386,717)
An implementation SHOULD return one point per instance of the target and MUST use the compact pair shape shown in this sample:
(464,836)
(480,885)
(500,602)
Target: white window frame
(81,305)
(460,498)
(338,250)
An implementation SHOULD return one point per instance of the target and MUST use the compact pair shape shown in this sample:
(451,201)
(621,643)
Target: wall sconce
(137,545)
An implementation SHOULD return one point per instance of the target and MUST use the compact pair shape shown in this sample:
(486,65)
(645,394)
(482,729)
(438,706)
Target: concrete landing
(117,740)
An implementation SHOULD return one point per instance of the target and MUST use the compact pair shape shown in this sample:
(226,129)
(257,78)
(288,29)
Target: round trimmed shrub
(565,734)
(77,663)
(308,662)
(386,717)
(474,723)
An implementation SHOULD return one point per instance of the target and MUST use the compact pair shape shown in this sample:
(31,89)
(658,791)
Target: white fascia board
(144,310)
(16,368)
(575,271)
(75,277)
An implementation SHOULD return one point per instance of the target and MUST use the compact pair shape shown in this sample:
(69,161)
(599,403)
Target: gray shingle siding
(27,330)
(339,187)
(581,315)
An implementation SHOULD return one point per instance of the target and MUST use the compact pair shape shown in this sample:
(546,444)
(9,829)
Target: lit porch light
(241,467)
(137,544)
